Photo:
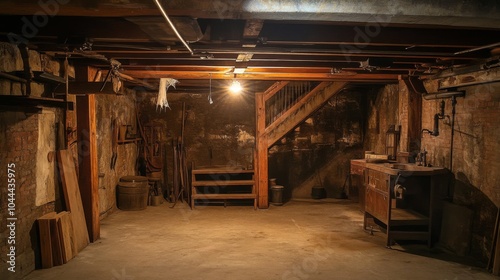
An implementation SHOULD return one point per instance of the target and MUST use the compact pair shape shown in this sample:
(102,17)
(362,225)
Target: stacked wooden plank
(63,235)
(55,239)
(73,200)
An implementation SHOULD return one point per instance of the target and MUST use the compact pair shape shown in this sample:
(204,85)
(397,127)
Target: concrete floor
(300,240)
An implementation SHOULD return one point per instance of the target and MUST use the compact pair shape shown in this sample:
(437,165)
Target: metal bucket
(277,195)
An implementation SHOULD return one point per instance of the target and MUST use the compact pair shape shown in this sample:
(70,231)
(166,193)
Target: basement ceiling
(260,40)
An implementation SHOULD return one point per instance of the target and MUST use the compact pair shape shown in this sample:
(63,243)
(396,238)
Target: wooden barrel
(132,193)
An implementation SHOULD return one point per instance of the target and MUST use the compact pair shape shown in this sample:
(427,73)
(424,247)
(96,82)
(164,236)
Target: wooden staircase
(279,110)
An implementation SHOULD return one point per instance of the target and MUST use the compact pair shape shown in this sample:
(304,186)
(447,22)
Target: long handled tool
(181,185)
(114,144)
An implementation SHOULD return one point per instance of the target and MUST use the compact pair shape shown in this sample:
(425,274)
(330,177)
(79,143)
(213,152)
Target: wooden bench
(219,178)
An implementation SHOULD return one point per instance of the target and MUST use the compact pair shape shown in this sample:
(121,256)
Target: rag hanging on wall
(165,83)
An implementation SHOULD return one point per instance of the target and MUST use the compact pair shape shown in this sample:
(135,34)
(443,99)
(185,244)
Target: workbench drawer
(357,169)
(377,204)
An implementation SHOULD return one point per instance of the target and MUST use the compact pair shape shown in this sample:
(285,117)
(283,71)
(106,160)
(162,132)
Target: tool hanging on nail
(181,178)
(114,144)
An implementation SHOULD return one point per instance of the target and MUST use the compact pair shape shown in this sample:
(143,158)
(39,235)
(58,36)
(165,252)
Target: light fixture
(239,70)
(235,87)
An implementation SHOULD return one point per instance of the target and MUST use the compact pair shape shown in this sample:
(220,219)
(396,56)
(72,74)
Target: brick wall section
(476,141)
(409,117)
(19,146)
(475,157)
(383,111)
(403,118)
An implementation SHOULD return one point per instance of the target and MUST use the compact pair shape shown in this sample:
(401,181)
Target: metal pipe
(172,26)
(441,95)
(478,48)
(435,132)
(453,103)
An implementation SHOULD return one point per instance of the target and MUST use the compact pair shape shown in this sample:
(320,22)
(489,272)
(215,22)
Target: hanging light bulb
(235,87)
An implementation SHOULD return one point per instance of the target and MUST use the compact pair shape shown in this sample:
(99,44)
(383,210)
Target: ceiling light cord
(172,26)
(210,101)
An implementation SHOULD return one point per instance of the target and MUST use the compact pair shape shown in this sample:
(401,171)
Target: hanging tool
(147,149)
(114,144)
(181,178)
(343,194)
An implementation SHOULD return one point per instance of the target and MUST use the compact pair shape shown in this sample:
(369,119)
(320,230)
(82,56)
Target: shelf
(407,217)
(39,76)
(231,179)
(225,196)
(126,141)
(221,170)
(223,183)
(27,101)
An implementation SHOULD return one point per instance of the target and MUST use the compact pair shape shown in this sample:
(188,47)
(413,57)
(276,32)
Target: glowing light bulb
(235,87)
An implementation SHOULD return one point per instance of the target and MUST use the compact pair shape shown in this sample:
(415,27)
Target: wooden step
(225,196)
(222,171)
(223,183)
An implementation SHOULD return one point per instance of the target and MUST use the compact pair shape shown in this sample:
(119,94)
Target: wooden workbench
(415,216)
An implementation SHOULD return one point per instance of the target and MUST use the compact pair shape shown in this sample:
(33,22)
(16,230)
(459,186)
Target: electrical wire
(173,26)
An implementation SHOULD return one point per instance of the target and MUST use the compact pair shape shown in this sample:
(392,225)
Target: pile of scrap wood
(63,235)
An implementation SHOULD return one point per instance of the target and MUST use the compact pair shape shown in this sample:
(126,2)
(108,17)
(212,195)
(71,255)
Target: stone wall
(475,156)
(475,165)
(122,109)
(318,151)
(222,133)
(28,142)
(383,111)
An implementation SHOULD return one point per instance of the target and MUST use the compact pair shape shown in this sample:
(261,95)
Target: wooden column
(261,163)
(88,168)
(410,110)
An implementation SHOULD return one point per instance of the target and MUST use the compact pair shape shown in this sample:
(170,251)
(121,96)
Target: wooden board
(45,239)
(65,228)
(55,241)
(88,180)
(375,156)
(456,219)
(261,160)
(73,200)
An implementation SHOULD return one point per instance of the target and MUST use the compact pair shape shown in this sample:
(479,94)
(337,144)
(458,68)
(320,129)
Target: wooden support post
(88,167)
(261,163)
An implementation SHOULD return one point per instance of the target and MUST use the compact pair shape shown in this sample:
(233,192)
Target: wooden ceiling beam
(372,12)
(144,74)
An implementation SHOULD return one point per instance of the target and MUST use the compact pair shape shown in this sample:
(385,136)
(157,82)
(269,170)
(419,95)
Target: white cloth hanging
(165,83)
